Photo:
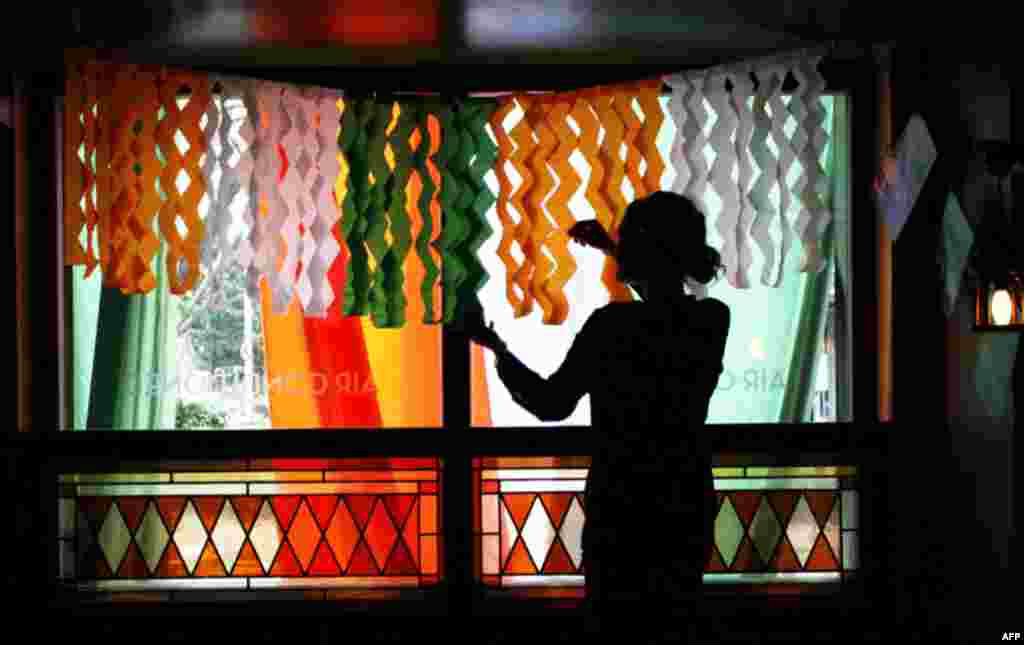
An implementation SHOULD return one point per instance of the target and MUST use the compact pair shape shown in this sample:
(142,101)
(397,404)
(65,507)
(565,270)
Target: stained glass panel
(778,527)
(345,528)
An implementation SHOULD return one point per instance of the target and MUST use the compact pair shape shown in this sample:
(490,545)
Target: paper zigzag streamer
(121,168)
(79,148)
(181,207)
(540,227)
(769,82)
(285,204)
(400,231)
(522,137)
(228,170)
(303,160)
(354,144)
(647,145)
(722,182)
(749,114)
(427,207)
(811,223)
(254,166)
(508,225)
(453,229)
(133,168)
(558,206)
(742,92)
(599,123)
(787,157)
(326,249)
(479,154)
(377,209)
(611,188)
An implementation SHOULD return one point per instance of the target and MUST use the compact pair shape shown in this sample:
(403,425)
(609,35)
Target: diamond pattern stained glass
(137,535)
(769,528)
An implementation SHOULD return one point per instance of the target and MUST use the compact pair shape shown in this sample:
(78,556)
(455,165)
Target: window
(328,526)
(221,357)
(776,367)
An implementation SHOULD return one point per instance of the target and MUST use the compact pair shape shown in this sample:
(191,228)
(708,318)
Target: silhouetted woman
(650,368)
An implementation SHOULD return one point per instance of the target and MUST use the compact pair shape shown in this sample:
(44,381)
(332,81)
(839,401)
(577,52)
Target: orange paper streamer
(121,167)
(615,129)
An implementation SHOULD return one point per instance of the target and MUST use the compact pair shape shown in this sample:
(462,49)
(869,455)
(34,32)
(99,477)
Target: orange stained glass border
(302,528)
(505,502)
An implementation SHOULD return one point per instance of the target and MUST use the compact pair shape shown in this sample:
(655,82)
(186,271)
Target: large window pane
(779,334)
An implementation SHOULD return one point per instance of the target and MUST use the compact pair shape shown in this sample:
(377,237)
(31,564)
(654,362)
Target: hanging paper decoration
(512,146)
(600,123)
(182,179)
(353,143)
(376,216)
(479,154)
(80,213)
(325,209)
(426,142)
(769,80)
(750,112)
(399,222)
(453,228)
(558,204)
(228,167)
(250,175)
(132,149)
(811,224)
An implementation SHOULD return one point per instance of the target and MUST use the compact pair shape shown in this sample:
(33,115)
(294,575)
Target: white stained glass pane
(557,486)
(348,582)
(542,581)
(771,578)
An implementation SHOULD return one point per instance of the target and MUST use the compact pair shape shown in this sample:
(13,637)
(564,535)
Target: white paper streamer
(814,216)
(742,92)
(721,141)
(328,212)
(769,82)
(754,157)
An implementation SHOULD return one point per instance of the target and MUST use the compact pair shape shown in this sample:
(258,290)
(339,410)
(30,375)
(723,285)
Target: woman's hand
(483,334)
(591,233)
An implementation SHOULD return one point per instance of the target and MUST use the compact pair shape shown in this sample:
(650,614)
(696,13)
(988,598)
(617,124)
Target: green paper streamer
(475,118)
(420,160)
(376,214)
(353,142)
(453,227)
(465,155)
(401,226)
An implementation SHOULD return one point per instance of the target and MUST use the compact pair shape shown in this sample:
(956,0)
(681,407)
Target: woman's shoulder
(715,307)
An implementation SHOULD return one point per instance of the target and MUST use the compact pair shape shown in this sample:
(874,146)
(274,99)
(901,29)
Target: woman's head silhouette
(662,242)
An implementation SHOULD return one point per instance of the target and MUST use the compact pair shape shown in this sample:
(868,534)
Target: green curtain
(840,200)
(85,293)
(806,348)
(134,369)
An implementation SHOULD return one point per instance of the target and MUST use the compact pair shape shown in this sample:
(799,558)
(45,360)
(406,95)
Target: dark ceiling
(534,42)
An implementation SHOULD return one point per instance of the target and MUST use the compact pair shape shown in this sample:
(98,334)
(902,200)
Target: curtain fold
(134,384)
